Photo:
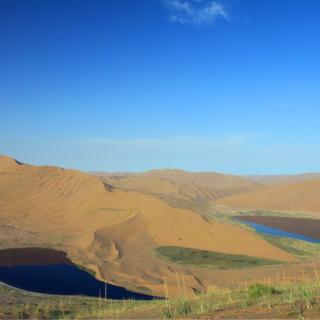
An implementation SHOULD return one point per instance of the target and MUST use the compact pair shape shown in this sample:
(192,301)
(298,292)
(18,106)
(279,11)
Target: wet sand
(32,256)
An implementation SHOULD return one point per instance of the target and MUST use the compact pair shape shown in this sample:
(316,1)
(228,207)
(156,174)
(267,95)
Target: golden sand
(303,197)
(114,232)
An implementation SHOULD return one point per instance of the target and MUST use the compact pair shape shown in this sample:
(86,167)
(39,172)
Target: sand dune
(276,180)
(182,184)
(303,196)
(111,231)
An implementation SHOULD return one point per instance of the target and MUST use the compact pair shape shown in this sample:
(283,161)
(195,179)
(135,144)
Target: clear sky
(131,85)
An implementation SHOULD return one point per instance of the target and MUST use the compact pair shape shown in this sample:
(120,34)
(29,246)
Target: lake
(295,228)
(51,272)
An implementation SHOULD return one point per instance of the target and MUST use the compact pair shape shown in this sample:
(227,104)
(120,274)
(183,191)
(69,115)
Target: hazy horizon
(164,169)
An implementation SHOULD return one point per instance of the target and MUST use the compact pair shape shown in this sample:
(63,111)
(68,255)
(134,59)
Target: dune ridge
(192,186)
(302,196)
(277,180)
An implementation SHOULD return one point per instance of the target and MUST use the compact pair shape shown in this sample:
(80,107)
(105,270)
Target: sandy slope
(182,184)
(276,180)
(112,231)
(303,196)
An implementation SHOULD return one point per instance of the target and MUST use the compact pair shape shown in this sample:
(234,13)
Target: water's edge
(26,270)
(272,231)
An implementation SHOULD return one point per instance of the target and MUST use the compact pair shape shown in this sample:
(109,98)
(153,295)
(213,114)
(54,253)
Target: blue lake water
(63,279)
(278,232)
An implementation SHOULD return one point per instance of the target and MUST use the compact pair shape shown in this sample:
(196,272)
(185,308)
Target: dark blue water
(278,232)
(63,279)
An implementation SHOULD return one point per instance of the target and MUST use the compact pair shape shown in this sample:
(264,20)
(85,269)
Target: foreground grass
(16,304)
(261,300)
(289,302)
(217,260)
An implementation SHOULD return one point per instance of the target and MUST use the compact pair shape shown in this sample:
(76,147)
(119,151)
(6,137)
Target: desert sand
(111,231)
(301,197)
(277,180)
(179,184)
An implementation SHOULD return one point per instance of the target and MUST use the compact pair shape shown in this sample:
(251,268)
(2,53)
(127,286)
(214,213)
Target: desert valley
(162,233)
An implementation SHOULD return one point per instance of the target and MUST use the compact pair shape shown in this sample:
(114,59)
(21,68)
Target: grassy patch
(299,248)
(259,290)
(288,214)
(202,258)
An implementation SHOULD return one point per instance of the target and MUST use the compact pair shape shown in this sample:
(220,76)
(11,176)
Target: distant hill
(302,196)
(273,180)
(110,231)
(179,184)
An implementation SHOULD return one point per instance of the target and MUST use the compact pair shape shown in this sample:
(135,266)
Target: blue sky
(131,85)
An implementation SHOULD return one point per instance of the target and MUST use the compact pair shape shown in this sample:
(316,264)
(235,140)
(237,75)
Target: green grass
(222,212)
(299,248)
(217,260)
(259,290)
(274,213)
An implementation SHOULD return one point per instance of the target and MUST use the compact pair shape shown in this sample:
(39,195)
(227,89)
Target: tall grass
(297,298)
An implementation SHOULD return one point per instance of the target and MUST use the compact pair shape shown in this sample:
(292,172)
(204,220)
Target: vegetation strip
(299,248)
(218,260)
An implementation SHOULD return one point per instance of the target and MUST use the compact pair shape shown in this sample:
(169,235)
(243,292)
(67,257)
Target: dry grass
(295,298)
